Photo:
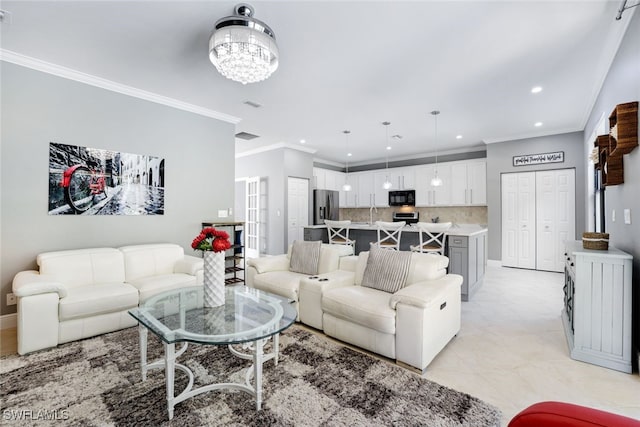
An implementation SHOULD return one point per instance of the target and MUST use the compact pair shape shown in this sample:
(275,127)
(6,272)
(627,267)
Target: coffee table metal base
(256,354)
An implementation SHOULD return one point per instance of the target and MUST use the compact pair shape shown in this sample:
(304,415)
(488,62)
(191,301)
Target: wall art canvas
(92,181)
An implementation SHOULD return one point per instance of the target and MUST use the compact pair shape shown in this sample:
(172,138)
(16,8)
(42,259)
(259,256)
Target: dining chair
(389,234)
(338,232)
(432,237)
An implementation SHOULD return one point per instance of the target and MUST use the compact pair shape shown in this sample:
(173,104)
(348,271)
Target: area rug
(97,382)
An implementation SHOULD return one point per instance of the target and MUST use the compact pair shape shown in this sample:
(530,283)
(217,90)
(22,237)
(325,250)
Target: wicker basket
(599,241)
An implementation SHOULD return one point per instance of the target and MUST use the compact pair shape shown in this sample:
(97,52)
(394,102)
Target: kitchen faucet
(371,214)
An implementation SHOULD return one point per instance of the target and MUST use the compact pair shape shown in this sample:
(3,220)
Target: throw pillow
(305,257)
(387,270)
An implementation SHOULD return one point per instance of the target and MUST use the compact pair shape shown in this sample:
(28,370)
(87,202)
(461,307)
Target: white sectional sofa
(86,292)
(411,325)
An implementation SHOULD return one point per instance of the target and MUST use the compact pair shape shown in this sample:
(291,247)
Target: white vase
(213,279)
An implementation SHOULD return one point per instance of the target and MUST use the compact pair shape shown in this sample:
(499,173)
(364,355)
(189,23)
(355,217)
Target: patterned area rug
(96,382)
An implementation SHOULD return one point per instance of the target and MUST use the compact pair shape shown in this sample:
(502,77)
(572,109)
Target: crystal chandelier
(243,48)
(387,184)
(347,186)
(436,181)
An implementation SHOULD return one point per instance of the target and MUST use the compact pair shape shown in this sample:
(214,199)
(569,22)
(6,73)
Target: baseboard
(8,321)
(494,263)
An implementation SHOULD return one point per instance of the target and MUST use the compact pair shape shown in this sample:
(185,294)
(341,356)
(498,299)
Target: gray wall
(500,160)
(39,108)
(623,85)
(274,167)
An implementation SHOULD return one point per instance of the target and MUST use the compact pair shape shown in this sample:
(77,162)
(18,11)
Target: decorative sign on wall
(536,159)
(91,181)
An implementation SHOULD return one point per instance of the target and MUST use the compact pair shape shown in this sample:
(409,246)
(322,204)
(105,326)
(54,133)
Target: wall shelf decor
(623,129)
(611,167)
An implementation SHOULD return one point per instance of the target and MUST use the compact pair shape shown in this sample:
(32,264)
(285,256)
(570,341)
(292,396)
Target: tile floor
(511,350)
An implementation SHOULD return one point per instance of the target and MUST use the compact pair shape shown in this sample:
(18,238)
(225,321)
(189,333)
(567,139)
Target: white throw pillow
(387,270)
(305,257)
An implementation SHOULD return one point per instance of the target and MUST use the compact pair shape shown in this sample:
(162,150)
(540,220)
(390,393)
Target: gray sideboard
(468,258)
(597,306)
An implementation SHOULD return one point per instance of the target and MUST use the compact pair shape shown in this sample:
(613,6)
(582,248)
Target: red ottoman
(558,414)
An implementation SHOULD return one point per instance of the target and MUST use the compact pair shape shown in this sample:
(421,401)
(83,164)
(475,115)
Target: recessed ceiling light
(459,137)
(389,147)
(538,124)
(302,141)
(349,154)
(536,89)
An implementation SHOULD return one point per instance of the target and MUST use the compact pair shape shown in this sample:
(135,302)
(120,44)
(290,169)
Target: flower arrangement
(211,239)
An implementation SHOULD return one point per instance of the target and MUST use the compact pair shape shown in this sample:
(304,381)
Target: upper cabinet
(428,195)
(469,183)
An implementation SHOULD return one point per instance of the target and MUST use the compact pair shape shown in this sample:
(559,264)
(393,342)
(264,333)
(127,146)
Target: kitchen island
(466,248)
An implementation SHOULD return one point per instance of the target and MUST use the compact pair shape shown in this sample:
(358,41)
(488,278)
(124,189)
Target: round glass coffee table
(249,316)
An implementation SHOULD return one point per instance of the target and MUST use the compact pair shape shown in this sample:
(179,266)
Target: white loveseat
(272,273)
(411,325)
(86,292)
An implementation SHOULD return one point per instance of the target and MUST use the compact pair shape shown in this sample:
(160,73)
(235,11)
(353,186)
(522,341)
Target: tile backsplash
(457,214)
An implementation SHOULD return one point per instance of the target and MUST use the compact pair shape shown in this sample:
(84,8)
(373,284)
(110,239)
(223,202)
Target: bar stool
(338,232)
(432,237)
(389,234)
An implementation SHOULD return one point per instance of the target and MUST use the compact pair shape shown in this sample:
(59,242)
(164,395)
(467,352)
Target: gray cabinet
(468,258)
(597,306)
(316,234)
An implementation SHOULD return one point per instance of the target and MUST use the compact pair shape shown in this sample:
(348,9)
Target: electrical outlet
(627,216)
(11,299)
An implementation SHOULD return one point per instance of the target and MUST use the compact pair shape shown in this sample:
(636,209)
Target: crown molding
(276,146)
(530,135)
(78,76)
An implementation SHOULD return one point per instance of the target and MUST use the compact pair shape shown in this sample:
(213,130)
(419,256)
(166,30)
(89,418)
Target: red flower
(211,239)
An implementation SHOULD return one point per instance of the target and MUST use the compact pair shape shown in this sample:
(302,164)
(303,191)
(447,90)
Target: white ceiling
(350,65)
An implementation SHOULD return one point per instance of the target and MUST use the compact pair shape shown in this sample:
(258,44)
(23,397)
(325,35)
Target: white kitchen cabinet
(319,175)
(348,199)
(365,196)
(403,178)
(380,195)
(469,183)
(428,195)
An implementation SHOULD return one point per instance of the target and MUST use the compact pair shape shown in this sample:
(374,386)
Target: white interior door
(252,217)
(518,220)
(555,213)
(297,208)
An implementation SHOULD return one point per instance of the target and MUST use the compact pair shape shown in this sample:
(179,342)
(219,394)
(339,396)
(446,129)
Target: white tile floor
(511,350)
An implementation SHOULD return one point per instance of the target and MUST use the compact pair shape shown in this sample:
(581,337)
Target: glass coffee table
(249,316)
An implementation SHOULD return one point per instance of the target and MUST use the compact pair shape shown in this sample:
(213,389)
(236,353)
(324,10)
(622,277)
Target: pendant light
(347,186)
(387,184)
(436,181)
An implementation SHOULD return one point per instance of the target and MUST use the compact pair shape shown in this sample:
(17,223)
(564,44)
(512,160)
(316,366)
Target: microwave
(402,198)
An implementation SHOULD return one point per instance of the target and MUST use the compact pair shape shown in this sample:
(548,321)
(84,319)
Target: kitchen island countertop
(455,230)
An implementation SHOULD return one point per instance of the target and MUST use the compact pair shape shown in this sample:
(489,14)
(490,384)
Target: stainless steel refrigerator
(325,205)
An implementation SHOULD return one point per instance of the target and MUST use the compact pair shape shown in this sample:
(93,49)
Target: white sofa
(411,325)
(272,273)
(86,292)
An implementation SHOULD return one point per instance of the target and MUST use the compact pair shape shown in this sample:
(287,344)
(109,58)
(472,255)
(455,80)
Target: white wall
(39,108)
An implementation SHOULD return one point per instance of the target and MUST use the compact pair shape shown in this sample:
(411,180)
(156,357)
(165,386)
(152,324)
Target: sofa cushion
(364,306)
(426,266)
(85,301)
(386,270)
(149,286)
(305,257)
(150,260)
(283,283)
(329,256)
(82,267)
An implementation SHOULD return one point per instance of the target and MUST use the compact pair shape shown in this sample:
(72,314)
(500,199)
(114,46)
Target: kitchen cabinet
(403,178)
(469,183)
(325,179)
(314,234)
(380,195)
(468,258)
(365,196)
(597,306)
(428,195)
(348,199)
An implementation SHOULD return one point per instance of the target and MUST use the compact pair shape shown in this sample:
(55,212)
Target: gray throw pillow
(387,270)
(305,257)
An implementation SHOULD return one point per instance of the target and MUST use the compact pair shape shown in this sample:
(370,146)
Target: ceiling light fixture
(347,186)
(536,89)
(459,137)
(436,181)
(538,124)
(302,141)
(387,184)
(243,48)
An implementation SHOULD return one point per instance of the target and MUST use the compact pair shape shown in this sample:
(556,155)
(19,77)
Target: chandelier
(243,48)
(387,184)
(436,181)
(346,186)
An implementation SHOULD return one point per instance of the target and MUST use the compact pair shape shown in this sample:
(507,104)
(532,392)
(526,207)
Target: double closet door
(538,216)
